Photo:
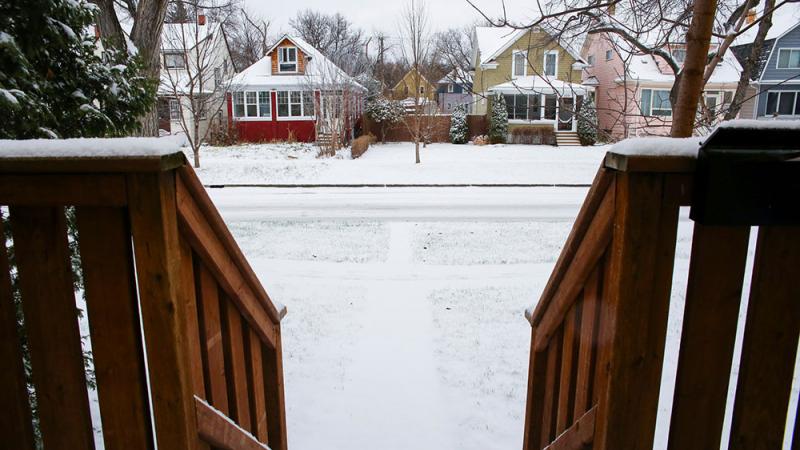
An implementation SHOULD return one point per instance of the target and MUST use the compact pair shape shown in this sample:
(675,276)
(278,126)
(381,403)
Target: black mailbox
(749,176)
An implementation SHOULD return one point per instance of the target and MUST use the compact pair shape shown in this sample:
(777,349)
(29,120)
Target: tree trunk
(690,89)
(416,150)
(751,62)
(196,143)
(146,36)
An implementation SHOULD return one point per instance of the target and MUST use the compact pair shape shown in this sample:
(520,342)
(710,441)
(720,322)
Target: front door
(566,114)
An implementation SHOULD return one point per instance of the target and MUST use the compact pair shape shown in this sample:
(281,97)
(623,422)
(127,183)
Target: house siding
(771,71)
(301,58)
(536,43)
(407,86)
(271,128)
(765,88)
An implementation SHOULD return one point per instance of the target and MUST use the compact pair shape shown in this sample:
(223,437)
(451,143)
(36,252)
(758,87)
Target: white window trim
(777,105)
(649,113)
(291,118)
(544,63)
(258,117)
(514,63)
(450,88)
(778,57)
(178,110)
(174,53)
(296,59)
(541,120)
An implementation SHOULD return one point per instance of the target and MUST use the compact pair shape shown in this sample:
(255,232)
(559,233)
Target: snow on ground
(392,163)
(405,325)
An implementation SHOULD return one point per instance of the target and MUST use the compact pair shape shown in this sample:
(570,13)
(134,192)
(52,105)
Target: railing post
(154,226)
(636,310)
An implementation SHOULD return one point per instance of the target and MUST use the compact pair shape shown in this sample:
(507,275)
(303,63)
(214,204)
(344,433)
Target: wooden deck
(599,329)
(185,338)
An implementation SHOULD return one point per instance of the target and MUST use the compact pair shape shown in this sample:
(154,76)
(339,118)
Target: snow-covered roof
(645,68)
(184,36)
(536,84)
(457,76)
(785,18)
(492,41)
(319,70)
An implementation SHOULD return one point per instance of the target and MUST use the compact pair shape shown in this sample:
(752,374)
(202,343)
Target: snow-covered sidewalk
(393,163)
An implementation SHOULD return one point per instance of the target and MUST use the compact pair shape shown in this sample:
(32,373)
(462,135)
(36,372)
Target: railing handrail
(200,196)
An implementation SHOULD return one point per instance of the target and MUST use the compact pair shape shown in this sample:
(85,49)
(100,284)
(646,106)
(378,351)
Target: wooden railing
(599,329)
(185,341)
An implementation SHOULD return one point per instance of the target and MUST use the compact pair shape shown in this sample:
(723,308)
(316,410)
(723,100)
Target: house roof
(536,84)
(645,68)
(407,74)
(184,36)
(492,41)
(319,71)
(785,19)
(457,76)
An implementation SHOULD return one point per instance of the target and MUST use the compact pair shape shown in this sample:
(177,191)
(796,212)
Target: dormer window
(287,59)
(174,60)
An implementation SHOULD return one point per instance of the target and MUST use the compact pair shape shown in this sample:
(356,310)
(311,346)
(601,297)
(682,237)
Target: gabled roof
(457,76)
(304,46)
(185,36)
(318,70)
(493,41)
(425,80)
(785,19)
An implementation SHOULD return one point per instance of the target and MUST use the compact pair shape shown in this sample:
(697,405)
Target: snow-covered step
(567,139)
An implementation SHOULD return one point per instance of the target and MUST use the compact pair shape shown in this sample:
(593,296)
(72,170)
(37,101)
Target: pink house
(632,89)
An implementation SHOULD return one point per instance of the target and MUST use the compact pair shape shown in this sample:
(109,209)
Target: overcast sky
(372,15)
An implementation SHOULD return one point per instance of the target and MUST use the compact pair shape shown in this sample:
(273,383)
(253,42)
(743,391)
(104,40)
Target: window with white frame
(524,107)
(450,88)
(789,58)
(609,55)
(174,110)
(174,60)
(287,59)
(783,103)
(551,63)
(252,104)
(295,104)
(655,102)
(519,64)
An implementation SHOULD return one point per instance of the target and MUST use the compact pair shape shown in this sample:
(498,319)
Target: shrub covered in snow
(384,112)
(498,120)
(587,122)
(55,82)
(459,129)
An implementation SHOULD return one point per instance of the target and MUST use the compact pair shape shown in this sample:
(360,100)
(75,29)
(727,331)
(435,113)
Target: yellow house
(538,74)
(410,82)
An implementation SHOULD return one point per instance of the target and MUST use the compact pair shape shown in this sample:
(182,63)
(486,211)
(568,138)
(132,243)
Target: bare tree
(248,37)
(415,48)
(335,37)
(199,83)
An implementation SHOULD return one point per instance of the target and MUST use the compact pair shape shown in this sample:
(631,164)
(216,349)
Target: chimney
(201,19)
(751,16)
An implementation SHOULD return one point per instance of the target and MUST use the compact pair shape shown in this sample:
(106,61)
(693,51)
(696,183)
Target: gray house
(775,85)
(453,90)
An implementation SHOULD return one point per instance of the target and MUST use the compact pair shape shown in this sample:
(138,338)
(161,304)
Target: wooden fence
(438,128)
(599,329)
(185,340)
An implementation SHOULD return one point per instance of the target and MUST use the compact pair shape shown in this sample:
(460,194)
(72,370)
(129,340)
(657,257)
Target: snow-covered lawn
(393,163)
(405,325)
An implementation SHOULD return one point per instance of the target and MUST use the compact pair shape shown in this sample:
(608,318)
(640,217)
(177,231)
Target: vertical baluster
(51,322)
(255,371)
(214,361)
(15,411)
(587,344)
(551,388)
(770,341)
(235,362)
(106,258)
(566,389)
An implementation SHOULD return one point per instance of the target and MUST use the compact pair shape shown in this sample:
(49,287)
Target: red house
(294,92)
